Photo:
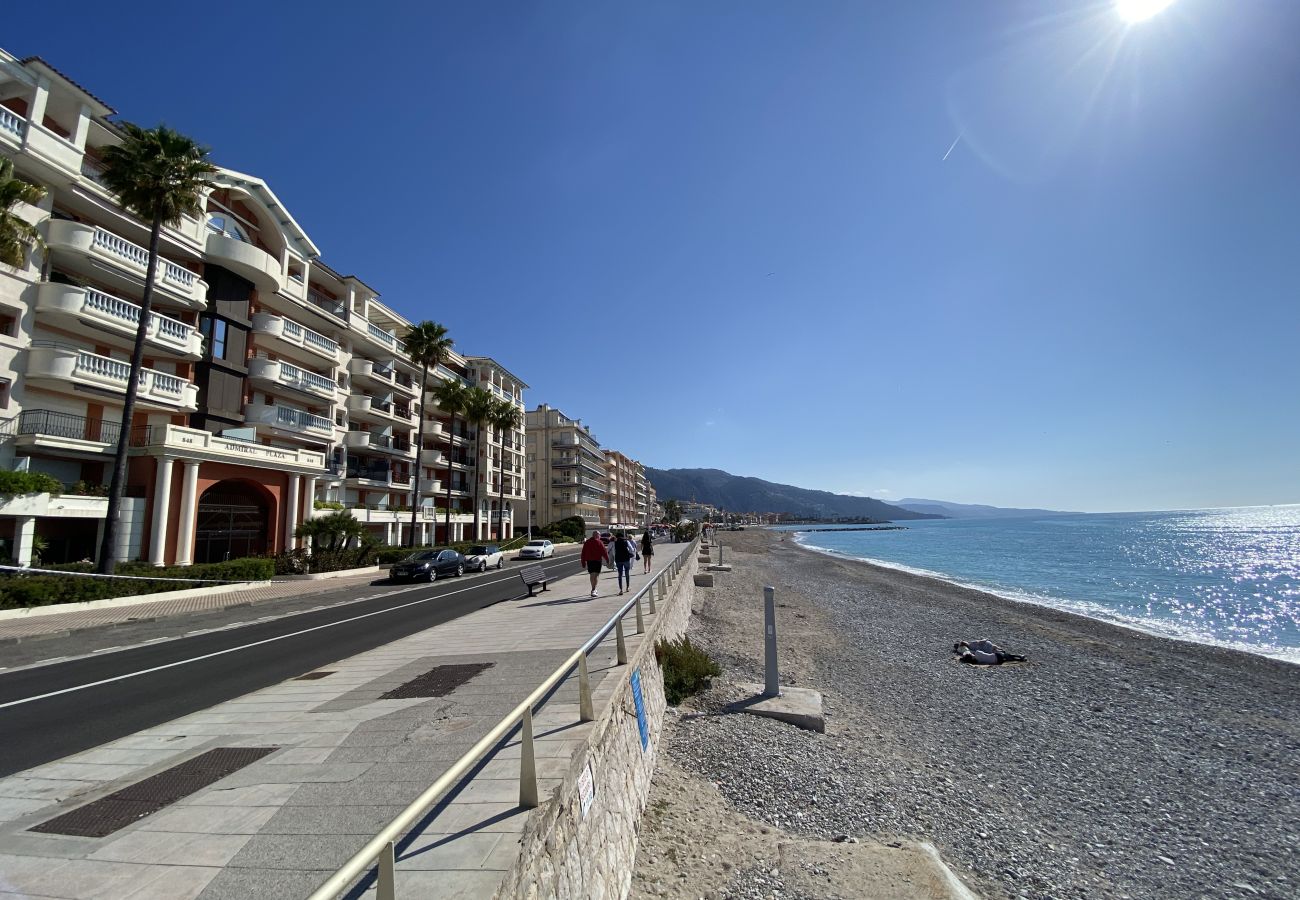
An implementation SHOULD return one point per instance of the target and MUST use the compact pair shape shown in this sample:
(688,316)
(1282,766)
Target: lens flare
(1140,10)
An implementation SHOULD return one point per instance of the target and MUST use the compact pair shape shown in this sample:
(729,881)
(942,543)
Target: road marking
(182,662)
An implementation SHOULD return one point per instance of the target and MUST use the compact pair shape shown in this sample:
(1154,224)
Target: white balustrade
(11,122)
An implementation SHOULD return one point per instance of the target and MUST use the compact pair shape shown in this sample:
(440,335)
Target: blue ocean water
(1219,576)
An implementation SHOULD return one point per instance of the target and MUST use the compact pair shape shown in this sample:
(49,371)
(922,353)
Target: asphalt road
(50,711)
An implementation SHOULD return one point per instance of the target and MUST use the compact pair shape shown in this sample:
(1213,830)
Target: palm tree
(450,395)
(505,417)
(428,347)
(478,409)
(159,175)
(16,233)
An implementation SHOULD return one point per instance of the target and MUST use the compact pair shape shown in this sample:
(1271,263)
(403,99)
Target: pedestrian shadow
(586,598)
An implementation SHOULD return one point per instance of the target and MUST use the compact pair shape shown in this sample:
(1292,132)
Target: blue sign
(639,703)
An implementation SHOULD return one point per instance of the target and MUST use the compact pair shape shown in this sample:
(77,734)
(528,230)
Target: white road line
(182,662)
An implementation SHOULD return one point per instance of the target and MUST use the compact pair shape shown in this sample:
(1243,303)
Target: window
(8,322)
(224,223)
(219,339)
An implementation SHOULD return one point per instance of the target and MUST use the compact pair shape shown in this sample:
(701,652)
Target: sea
(1228,577)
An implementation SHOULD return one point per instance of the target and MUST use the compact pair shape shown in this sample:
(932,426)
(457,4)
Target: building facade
(626,489)
(566,468)
(271,383)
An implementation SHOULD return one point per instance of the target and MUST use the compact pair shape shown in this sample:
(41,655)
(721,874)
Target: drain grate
(313,676)
(437,682)
(132,803)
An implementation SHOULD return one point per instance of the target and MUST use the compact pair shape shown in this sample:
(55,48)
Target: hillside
(740,494)
(972,510)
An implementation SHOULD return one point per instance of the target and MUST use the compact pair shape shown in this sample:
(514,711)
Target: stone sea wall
(565,853)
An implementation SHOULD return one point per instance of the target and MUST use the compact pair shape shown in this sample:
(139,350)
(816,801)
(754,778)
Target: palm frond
(158,173)
(427,344)
(16,233)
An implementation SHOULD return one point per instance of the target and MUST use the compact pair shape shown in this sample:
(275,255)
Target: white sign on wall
(586,788)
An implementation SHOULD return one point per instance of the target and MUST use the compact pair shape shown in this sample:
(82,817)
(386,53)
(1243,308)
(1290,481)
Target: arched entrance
(233,521)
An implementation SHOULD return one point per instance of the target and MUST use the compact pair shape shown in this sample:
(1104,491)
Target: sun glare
(1140,10)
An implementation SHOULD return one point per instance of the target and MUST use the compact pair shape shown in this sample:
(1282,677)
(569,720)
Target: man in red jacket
(593,552)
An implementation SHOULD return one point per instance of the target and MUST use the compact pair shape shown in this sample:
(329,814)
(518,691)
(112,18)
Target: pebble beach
(1113,763)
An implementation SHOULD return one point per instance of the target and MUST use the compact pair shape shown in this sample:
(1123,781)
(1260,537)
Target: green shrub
(687,669)
(12,483)
(564,531)
(17,591)
(328,504)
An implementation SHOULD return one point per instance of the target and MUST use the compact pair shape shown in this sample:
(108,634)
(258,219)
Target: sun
(1140,10)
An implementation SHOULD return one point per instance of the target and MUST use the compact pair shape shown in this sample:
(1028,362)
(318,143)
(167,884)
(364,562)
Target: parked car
(482,557)
(427,565)
(537,550)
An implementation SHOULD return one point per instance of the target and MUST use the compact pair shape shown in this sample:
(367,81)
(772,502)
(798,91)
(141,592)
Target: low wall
(566,854)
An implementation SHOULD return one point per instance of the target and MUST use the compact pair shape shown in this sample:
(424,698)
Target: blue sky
(724,233)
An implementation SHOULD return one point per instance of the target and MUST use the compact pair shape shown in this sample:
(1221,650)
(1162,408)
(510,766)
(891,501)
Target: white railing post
(527,764)
(386,887)
(640,622)
(619,643)
(651,591)
(586,713)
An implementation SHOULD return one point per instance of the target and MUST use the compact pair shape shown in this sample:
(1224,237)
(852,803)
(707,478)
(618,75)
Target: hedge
(18,591)
(12,483)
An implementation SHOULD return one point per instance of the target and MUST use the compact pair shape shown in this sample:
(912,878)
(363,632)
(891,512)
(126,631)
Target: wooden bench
(532,576)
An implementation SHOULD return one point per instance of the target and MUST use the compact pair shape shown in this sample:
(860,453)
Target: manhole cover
(437,682)
(132,803)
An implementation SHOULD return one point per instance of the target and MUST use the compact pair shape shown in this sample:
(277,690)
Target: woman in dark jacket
(647,549)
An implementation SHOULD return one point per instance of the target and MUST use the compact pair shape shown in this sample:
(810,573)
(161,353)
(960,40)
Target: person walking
(647,549)
(593,553)
(624,553)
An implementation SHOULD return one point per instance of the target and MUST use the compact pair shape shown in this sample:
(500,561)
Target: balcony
(336,308)
(371,409)
(371,372)
(62,368)
(275,373)
(245,260)
(431,457)
(379,336)
(295,336)
(288,419)
(459,463)
(574,482)
(91,312)
(386,443)
(85,245)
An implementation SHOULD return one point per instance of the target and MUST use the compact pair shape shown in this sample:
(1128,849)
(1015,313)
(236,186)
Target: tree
(478,408)
(16,233)
(159,175)
(505,418)
(330,532)
(672,511)
(450,395)
(428,347)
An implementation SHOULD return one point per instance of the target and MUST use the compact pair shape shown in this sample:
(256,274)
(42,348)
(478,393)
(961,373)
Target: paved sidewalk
(346,761)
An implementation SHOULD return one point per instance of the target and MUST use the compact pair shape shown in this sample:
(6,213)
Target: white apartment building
(566,467)
(626,485)
(270,380)
(501,454)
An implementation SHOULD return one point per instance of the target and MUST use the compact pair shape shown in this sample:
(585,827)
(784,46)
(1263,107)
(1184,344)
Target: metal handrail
(380,848)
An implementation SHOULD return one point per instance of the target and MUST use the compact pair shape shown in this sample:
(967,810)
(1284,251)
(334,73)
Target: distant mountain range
(739,494)
(972,510)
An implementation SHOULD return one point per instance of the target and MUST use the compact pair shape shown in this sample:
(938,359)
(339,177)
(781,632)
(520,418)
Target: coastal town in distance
(650,451)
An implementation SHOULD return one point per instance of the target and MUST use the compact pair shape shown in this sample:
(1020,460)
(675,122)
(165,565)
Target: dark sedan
(426,565)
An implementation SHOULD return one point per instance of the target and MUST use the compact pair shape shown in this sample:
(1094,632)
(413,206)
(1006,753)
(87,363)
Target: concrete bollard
(771,686)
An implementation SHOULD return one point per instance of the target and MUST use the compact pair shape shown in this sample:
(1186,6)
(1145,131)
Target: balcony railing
(11,122)
(300,418)
(296,376)
(132,252)
(51,423)
(380,335)
(333,307)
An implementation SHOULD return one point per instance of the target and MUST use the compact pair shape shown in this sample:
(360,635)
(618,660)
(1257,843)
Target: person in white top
(983,653)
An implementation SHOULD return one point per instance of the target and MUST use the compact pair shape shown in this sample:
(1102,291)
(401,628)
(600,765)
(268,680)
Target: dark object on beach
(983,653)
